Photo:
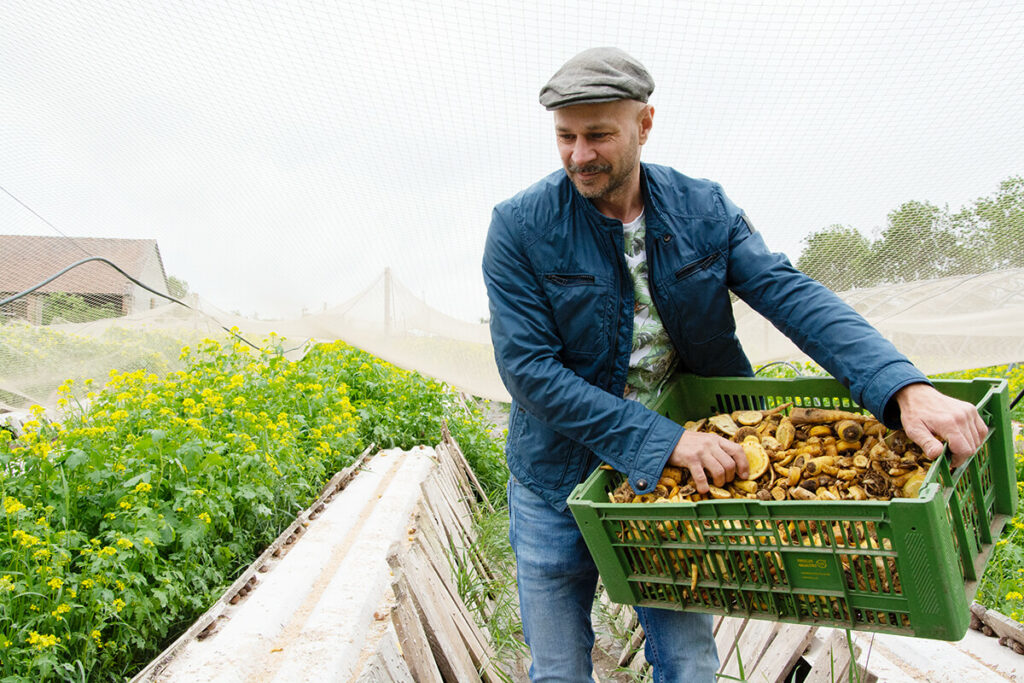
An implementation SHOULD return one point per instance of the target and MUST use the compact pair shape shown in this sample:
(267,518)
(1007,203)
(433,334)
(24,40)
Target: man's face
(600,144)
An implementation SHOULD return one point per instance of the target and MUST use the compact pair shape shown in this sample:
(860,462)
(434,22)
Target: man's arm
(929,417)
(825,327)
(625,434)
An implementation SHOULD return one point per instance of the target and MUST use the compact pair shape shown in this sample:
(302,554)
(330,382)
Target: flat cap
(600,74)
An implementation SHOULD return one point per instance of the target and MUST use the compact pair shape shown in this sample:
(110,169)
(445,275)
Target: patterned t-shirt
(653,356)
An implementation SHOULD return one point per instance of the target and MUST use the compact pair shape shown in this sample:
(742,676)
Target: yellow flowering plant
(127,519)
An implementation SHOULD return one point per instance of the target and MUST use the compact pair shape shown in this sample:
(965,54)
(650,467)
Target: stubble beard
(616,179)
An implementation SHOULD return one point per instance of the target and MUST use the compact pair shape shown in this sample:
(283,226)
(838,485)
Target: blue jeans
(557,579)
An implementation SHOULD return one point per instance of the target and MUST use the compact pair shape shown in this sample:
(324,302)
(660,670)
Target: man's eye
(598,136)
(565,137)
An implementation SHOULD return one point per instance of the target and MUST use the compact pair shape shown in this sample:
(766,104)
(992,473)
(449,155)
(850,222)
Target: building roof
(27,260)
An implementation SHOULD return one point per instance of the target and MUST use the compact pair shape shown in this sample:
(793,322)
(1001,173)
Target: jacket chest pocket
(581,304)
(700,298)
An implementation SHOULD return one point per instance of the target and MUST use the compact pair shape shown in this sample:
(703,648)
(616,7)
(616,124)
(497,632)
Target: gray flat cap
(600,74)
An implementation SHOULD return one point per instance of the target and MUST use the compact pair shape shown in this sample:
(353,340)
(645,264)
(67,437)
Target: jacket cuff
(654,452)
(879,391)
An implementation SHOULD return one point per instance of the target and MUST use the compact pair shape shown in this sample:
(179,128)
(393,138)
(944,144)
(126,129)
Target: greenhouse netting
(327,170)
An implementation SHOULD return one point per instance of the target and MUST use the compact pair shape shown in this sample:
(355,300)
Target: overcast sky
(284,153)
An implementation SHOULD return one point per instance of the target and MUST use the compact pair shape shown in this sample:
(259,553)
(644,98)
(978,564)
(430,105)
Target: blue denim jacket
(561,304)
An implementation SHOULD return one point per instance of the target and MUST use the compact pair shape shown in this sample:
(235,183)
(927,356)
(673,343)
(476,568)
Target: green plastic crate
(907,566)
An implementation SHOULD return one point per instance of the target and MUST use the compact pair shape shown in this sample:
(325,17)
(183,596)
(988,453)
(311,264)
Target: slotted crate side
(838,563)
(804,562)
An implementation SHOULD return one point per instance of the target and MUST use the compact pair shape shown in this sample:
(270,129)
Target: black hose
(113,265)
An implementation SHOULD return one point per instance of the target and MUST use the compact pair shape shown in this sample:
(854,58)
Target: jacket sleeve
(625,434)
(824,326)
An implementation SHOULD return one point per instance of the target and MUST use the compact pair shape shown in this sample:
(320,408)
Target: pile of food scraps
(797,453)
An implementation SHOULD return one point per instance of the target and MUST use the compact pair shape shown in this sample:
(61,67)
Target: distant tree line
(61,307)
(176,287)
(922,241)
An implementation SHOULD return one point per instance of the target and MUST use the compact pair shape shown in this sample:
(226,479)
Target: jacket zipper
(703,264)
(660,301)
(569,279)
(619,252)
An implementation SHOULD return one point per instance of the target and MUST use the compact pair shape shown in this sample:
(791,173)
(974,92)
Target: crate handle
(950,478)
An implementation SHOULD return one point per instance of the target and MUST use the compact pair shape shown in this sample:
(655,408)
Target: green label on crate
(812,570)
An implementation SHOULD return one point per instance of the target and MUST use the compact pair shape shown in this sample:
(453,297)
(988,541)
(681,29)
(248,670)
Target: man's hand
(700,451)
(930,417)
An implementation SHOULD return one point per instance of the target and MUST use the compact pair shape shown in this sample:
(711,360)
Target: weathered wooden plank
(995,625)
(458,503)
(411,636)
(782,653)
(439,565)
(728,633)
(749,648)
(633,646)
(476,638)
(392,657)
(427,560)
(464,466)
(446,643)
(428,533)
(449,535)
(453,472)
(459,529)
(638,665)
(454,479)
(374,672)
(829,659)
(426,566)
(457,623)
(443,511)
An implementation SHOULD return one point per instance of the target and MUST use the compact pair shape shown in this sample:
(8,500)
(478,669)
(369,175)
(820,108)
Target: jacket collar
(653,219)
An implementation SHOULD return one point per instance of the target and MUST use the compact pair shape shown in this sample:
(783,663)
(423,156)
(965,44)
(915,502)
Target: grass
(493,599)
(126,519)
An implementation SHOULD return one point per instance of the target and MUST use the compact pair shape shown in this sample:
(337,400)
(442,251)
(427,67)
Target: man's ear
(646,121)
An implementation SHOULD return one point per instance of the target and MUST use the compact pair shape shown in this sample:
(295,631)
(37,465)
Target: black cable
(1014,402)
(113,265)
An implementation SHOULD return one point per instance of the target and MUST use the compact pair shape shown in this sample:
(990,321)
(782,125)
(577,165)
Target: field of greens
(38,359)
(126,520)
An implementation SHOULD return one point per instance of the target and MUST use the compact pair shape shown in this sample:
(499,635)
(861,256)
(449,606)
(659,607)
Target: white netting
(280,157)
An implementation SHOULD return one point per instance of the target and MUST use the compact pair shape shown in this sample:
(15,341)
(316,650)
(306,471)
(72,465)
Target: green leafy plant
(124,521)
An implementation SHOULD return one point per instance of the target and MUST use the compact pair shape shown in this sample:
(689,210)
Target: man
(605,277)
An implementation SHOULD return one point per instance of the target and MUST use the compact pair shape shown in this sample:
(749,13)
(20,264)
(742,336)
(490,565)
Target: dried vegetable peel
(796,453)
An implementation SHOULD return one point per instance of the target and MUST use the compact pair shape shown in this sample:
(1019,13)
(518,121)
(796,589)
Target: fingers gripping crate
(907,566)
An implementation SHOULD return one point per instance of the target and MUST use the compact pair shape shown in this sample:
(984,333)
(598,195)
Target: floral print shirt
(652,357)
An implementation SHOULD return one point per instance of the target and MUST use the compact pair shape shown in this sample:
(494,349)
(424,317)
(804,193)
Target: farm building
(92,289)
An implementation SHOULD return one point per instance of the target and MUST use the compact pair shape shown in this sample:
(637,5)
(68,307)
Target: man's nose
(582,152)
